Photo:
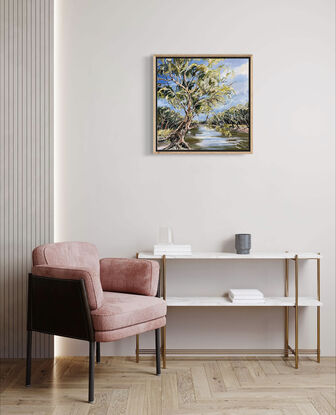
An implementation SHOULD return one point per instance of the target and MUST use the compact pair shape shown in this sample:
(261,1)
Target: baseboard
(227,352)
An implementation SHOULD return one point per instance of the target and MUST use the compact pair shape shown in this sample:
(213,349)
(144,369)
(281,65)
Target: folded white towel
(245,298)
(245,294)
(253,301)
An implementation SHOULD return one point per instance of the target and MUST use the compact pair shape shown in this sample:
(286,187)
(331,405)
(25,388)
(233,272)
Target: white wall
(111,190)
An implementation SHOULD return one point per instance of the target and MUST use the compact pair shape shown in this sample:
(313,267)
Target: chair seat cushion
(113,335)
(123,310)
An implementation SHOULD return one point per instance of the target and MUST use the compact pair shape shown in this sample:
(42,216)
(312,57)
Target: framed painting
(202,104)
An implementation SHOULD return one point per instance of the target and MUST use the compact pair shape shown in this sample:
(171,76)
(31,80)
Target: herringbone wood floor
(226,387)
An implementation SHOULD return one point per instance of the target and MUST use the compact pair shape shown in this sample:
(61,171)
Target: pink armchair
(72,293)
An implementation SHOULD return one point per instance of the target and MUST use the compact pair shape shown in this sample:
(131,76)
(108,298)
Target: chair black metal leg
(91,371)
(98,352)
(28,358)
(157,351)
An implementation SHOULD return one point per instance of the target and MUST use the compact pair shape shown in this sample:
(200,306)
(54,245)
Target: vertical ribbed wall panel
(26,128)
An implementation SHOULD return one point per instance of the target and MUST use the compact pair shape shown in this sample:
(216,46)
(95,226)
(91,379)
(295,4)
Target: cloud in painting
(241,70)
(239,81)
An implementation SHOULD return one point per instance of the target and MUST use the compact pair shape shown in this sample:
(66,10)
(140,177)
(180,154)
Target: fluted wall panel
(26,128)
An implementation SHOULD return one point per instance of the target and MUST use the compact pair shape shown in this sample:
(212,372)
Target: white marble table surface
(225,302)
(229,255)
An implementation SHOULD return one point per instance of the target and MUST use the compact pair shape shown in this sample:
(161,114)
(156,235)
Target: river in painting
(204,138)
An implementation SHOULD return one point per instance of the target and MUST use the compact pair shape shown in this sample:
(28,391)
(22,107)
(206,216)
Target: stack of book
(246,296)
(172,249)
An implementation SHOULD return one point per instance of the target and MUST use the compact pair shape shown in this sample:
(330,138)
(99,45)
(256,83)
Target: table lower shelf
(225,302)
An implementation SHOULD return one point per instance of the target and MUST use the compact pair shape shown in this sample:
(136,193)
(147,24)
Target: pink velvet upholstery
(80,254)
(123,310)
(117,312)
(71,256)
(112,335)
(137,276)
(92,284)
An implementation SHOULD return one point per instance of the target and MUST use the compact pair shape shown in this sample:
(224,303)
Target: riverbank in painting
(205,138)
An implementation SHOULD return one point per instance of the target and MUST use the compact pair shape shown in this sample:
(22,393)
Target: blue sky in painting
(239,82)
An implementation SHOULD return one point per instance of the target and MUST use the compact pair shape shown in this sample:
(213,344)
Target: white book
(246,294)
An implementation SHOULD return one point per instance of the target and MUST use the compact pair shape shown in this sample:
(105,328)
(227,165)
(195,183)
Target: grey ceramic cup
(243,243)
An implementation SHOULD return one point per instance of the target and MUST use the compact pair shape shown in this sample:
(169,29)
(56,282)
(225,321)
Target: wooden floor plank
(136,400)
(102,403)
(81,409)
(321,404)
(7,372)
(330,396)
(153,403)
(307,408)
(242,373)
(268,367)
(229,377)
(118,402)
(187,387)
(293,410)
(214,376)
(201,385)
(169,391)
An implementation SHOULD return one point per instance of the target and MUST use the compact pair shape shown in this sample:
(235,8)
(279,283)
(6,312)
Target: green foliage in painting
(168,118)
(237,117)
(192,89)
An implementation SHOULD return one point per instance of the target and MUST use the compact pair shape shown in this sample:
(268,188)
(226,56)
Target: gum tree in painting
(198,94)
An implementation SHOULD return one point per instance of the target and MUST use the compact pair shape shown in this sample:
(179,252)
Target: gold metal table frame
(295,351)
(287,347)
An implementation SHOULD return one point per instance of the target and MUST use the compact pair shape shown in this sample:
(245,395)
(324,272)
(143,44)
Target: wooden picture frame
(202,104)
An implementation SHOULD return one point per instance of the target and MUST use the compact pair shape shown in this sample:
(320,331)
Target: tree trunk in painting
(177,137)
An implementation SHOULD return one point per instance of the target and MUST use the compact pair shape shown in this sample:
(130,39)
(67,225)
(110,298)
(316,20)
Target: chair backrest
(73,254)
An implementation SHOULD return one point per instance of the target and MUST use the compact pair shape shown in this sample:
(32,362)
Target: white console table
(284,301)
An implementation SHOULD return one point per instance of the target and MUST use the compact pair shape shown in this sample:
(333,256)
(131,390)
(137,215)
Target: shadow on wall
(229,244)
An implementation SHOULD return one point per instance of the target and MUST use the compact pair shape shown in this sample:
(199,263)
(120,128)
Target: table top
(225,302)
(230,255)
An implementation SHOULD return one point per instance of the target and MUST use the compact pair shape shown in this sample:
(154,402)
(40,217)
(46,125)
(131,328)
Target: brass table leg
(296,312)
(318,313)
(286,309)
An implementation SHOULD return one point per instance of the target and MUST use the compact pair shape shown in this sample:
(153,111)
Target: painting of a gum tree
(202,104)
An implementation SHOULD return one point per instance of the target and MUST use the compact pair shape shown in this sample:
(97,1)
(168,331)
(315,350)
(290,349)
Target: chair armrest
(92,283)
(136,276)
(59,306)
